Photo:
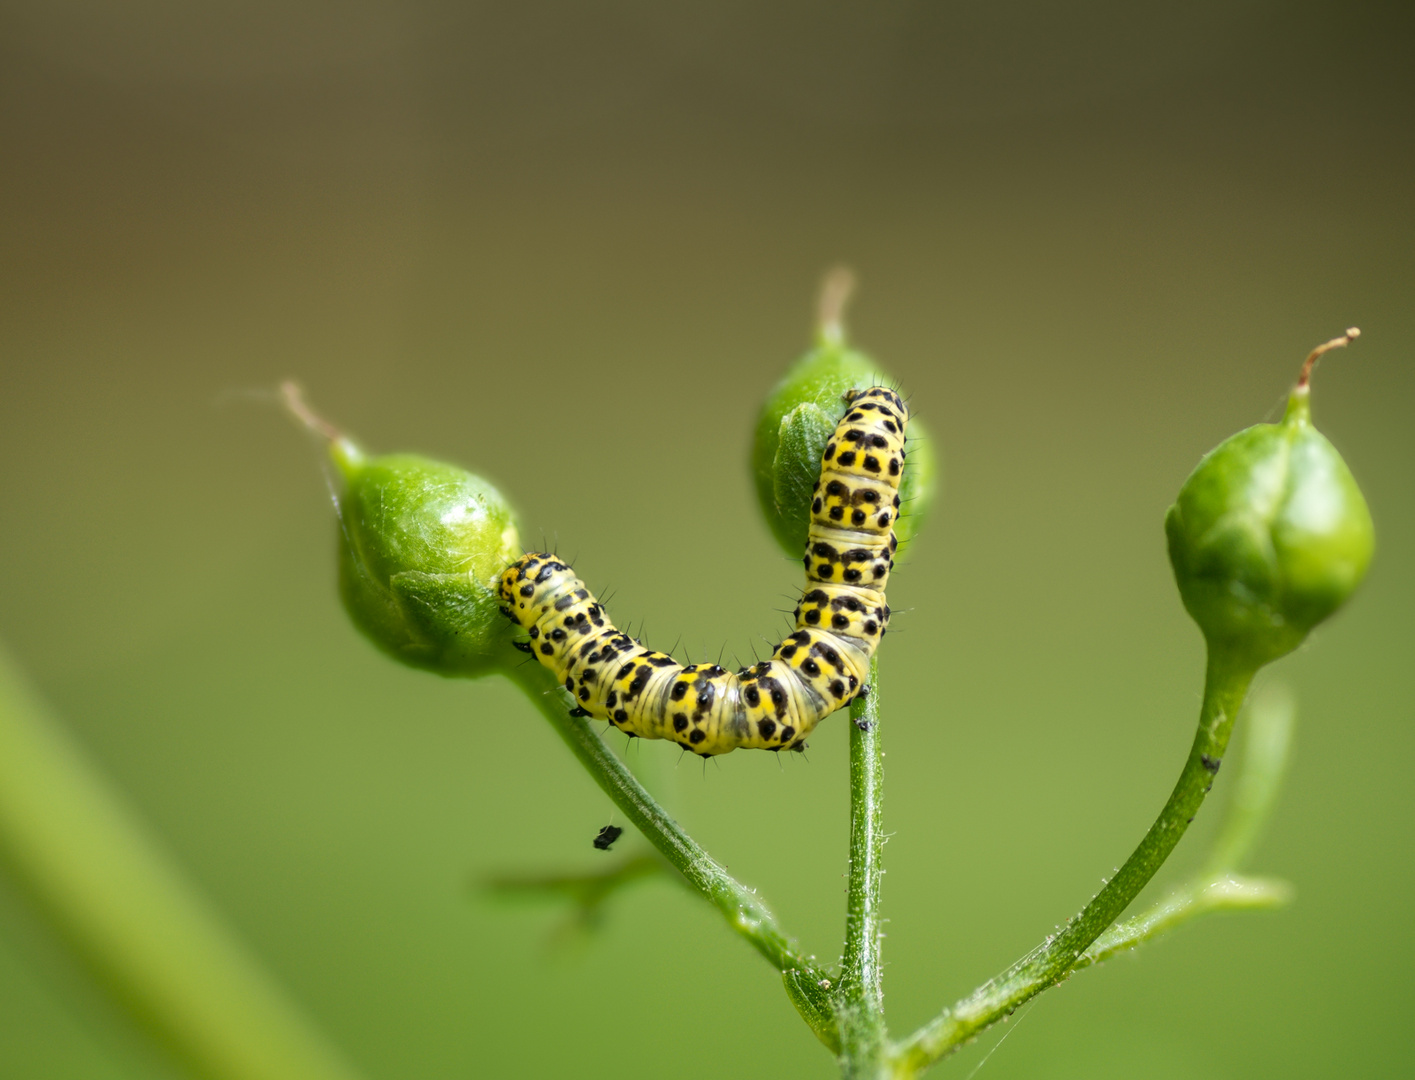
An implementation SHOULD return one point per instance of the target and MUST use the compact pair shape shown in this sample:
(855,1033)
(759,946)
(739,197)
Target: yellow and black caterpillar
(772,705)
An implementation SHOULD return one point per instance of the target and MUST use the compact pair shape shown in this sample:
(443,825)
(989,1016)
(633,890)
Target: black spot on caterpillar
(773,705)
(607,835)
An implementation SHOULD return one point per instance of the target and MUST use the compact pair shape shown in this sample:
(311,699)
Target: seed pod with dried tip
(1270,534)
(421,544)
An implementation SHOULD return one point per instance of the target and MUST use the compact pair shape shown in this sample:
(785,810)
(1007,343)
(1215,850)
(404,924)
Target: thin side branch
(586,890)
(744,911)
(585,894)
(1220,894)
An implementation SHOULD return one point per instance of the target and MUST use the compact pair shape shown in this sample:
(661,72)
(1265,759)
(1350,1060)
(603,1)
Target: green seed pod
(799,416)
(1270,533)
(421,545)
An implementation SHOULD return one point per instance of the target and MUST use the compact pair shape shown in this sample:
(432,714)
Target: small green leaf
(796,465)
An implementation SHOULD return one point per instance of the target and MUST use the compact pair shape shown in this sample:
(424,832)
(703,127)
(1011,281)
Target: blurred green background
(1093,240)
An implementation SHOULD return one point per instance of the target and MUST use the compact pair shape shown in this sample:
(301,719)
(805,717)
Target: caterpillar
(772,705)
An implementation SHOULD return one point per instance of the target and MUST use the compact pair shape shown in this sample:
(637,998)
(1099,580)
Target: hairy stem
(99,880)
(859,998)
(1225,685)
(743,909)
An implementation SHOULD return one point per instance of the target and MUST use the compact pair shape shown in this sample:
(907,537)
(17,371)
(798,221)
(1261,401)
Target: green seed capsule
(1270,534)
(797,420)
(421,544)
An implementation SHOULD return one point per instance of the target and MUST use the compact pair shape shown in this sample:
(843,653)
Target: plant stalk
(1225,685)
(859,997)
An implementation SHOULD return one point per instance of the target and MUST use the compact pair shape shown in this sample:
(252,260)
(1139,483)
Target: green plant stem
(1218,887)
(743,909)
(1225,685)
(97,878)
(859,999)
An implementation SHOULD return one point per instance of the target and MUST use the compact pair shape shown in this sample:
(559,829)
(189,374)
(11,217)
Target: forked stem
(1225,686)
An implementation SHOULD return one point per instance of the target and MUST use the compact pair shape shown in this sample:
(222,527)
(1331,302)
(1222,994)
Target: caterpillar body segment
(822,665)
